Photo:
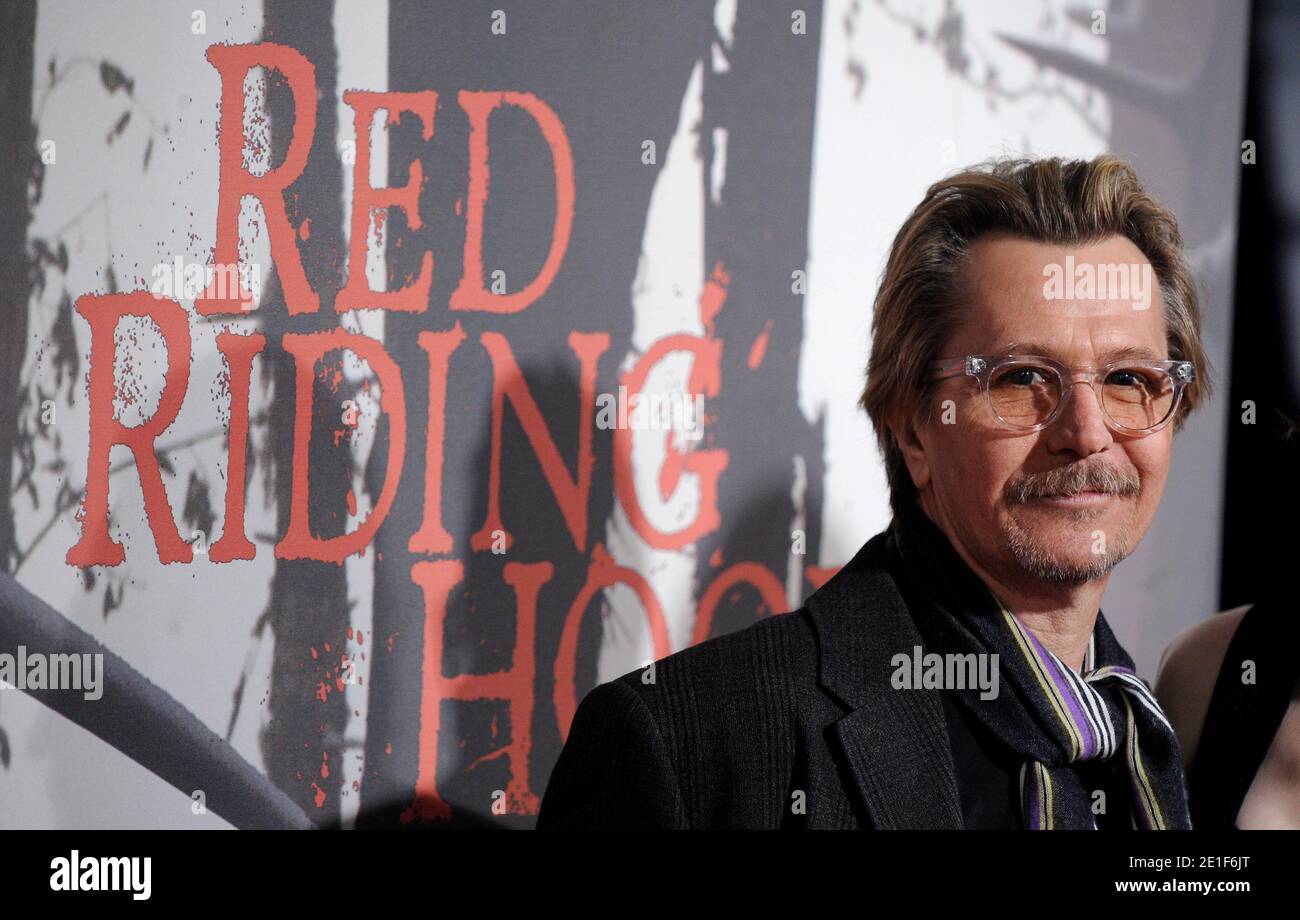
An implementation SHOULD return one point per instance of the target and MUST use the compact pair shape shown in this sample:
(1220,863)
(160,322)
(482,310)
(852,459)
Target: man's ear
(906,431)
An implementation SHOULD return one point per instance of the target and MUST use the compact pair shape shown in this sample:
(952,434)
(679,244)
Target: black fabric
(792,722)
(988,777)
(987,772)
(788,723)
(988,769)
(1242,718)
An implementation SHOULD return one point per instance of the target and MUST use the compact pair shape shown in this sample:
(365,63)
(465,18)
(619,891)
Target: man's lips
(1076,499)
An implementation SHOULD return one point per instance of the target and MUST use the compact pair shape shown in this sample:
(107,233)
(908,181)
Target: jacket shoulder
(720,733)
(778,649)
(614,771)
(779,656)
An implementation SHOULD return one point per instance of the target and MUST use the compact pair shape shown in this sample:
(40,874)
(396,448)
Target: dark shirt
(987,772)
(1243,717)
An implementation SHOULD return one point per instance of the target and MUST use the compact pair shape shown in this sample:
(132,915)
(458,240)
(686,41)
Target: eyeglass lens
(1025,394)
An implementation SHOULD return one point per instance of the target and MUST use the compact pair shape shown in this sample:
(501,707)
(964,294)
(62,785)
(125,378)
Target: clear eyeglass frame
(983,367)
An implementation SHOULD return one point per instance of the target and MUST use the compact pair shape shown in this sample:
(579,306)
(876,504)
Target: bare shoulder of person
(1187,674)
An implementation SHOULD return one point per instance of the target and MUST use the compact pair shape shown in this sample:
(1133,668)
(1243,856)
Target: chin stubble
(1039,561)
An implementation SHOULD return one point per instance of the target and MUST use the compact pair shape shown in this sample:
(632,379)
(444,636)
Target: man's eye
(1023,377)
(1127,379)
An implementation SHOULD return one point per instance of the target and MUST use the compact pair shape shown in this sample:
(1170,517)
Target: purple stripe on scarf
(1063,687)
(1033,803)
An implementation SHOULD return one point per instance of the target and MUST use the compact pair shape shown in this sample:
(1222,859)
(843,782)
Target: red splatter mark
(759,348)
(352,507)
(673,466)
(322,691)
(714,295)
(388,748)
(304,229)
(716,558)
(325,765)
(314,653)
(320,796)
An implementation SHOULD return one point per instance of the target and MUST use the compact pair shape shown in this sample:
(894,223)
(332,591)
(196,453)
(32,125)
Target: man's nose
(1081,426)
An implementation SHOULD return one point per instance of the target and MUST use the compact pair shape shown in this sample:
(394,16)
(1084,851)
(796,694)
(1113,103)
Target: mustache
(1073,479)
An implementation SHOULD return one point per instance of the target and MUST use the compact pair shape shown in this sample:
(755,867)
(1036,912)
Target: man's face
(998,492)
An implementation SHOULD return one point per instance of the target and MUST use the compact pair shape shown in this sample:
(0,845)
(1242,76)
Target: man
(1035,347)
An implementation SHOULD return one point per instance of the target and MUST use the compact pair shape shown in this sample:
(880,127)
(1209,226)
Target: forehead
(1075,301)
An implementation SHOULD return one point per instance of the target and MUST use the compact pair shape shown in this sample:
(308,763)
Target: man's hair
(923,297)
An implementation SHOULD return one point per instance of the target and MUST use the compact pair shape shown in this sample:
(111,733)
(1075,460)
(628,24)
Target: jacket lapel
(894,742)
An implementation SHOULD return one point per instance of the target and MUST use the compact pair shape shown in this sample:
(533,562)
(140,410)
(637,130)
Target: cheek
(1150,457)
(1006,459)
(978,467)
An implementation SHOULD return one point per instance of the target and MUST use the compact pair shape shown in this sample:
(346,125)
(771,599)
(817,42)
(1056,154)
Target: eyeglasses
(1027,392)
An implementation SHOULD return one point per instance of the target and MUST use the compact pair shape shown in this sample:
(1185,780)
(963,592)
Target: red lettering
(508,383)
(307,349)
(706,465)
(470,294)
(233,62)
(769,588)
(239,351)
(601,574)
(817,575)
(368,201)
(432,537)
(436,580)
(104,312)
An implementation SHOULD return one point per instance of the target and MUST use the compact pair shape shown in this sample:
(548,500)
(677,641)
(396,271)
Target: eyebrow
(1120,353)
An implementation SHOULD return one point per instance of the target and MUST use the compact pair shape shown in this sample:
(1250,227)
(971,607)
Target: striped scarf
(1096,714)
(1054,717)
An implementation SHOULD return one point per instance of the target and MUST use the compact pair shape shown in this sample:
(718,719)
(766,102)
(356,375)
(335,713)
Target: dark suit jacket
(733,729)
